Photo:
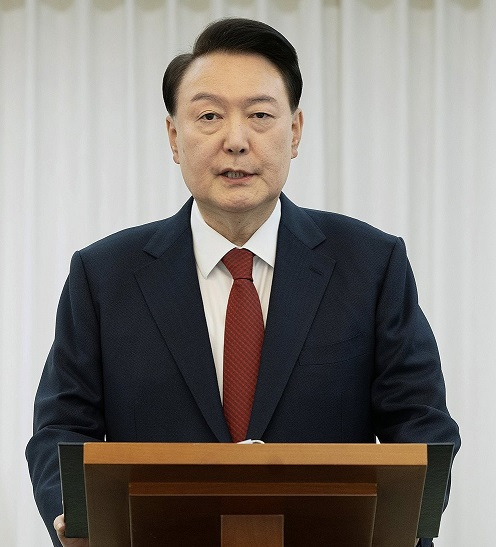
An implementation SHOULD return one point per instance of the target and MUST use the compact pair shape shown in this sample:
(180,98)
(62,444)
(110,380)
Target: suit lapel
(301,275)
(170,287)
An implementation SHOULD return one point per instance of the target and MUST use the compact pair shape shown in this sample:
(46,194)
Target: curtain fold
(399,102)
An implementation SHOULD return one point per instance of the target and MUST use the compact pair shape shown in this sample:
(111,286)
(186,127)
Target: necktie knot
(239,262)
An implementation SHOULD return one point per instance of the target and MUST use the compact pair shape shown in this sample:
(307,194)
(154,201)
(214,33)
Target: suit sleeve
(408,391)
(69,401)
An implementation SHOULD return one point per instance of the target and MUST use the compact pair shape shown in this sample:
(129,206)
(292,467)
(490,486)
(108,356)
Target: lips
(235,174)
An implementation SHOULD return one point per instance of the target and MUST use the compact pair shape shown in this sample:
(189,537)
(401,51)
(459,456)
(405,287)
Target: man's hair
(235,35)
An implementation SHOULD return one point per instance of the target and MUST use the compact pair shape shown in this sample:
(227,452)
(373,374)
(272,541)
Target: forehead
(232,76)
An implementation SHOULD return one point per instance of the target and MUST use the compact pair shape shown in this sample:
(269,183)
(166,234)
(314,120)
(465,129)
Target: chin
(245,203)
(242,207)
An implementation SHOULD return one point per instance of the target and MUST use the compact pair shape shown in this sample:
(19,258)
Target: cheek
(197,151)
(195,167)
(278,156)
(189,154)
(283,144)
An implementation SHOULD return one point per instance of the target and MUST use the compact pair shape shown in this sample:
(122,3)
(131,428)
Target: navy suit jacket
(348,355)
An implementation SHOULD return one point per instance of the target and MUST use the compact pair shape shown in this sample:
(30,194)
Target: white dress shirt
(216,281)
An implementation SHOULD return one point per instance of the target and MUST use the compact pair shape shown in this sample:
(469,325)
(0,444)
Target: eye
(209,116)
(261,115)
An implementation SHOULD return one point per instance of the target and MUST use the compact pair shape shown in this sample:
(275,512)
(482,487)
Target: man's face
(234,134)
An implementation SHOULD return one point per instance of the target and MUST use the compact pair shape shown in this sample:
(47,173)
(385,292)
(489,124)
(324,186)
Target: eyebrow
(248,102)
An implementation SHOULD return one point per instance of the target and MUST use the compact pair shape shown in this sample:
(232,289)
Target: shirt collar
(209,246)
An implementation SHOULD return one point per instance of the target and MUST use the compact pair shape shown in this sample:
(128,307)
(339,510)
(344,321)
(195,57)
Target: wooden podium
(264,495)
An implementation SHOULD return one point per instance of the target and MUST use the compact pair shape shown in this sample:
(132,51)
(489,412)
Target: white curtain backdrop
(400,131)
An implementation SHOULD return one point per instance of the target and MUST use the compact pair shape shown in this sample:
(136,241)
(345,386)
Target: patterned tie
(243,339)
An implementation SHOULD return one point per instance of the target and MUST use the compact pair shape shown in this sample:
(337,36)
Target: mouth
(235,175)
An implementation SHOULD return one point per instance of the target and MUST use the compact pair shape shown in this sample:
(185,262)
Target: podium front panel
(176,494)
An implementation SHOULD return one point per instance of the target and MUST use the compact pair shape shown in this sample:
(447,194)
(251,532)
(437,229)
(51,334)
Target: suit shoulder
(153,237)
(132,238)
(116,255)
(358,247)
(341,227)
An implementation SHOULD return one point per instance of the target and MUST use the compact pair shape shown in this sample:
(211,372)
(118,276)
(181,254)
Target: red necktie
(243,339)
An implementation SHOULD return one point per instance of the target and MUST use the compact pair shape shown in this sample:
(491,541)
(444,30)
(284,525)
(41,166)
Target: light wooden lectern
(144,494)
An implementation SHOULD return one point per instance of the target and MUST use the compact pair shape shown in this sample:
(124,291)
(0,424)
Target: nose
(236,138)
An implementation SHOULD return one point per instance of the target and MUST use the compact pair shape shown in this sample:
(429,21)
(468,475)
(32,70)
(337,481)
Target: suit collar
(170,230)
(296,220)
(300,224)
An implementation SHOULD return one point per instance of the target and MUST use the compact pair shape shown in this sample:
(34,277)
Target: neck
(237,227)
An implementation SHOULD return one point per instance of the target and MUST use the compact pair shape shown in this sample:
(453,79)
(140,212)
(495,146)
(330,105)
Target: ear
(172,133)
(297,128)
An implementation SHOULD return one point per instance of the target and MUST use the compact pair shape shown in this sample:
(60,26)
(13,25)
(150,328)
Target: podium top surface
(255,454)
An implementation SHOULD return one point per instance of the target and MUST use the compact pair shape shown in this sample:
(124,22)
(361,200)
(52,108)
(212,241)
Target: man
(138,355)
